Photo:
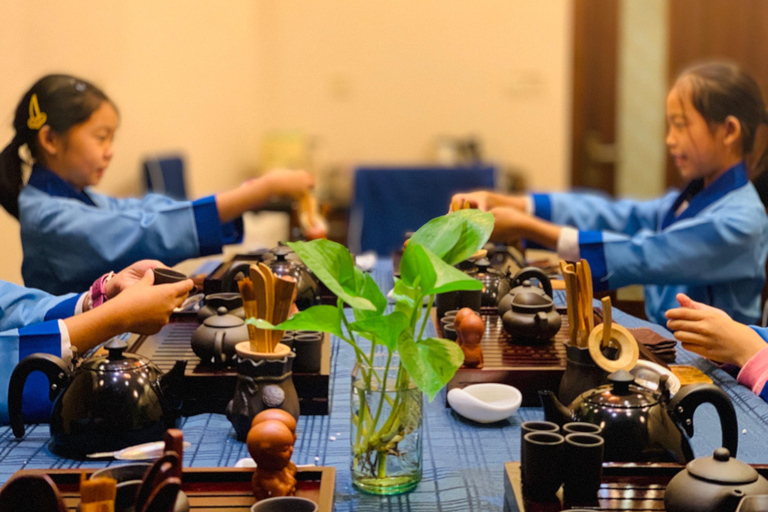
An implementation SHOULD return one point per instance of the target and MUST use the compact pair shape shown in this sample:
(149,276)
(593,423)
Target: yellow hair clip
(36,118)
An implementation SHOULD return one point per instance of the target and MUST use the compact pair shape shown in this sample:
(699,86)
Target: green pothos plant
(426,269)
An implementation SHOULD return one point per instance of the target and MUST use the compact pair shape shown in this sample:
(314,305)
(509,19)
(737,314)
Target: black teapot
(495,284)
(713,484)
(640,425)
(107,403)
(214,340)
(232,301)
(528,312)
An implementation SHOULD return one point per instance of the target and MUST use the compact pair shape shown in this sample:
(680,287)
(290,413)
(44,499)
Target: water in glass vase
(386,437)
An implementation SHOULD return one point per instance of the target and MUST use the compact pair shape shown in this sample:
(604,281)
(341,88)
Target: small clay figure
(270,443)
(461,315)
(470,333)
(282,416)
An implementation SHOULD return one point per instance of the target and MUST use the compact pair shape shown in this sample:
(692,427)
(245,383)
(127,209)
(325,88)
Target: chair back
(165,175)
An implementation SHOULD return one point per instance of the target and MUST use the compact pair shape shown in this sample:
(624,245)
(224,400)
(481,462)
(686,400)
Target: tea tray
(210,489)
(208,389)
(625,486)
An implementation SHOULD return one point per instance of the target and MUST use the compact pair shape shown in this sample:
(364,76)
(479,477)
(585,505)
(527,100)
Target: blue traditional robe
(29,323)
(714,250)
(70,238)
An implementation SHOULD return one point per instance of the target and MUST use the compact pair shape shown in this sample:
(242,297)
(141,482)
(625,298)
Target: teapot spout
(554,411)
(171,384)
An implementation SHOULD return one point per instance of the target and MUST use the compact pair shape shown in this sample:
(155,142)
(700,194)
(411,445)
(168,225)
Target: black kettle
(640,425)
(107,403)
(495,284)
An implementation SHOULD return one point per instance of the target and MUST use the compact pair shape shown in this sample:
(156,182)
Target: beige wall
(372,83)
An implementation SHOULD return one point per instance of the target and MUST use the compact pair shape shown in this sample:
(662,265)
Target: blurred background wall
(364,81)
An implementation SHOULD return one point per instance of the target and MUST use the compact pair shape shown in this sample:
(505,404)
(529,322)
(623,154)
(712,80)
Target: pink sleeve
(754,374)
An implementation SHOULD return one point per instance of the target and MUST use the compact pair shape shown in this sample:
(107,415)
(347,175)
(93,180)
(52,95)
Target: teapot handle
(684,404)
(53,368)
(228,279)
(527,273)
(218,344)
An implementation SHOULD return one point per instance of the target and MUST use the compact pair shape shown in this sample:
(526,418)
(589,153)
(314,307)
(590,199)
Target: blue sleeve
(20,306)
(699,251)
(590,211)
(15,345)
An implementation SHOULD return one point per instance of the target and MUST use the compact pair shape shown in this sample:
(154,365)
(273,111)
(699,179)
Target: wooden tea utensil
(260,285)
(174,442)
(160,470)
(97,494)
(586,287)
(248,293)
(569,276)
(629,352)
(269,282)
(285,287)
(583,333)
(163,498)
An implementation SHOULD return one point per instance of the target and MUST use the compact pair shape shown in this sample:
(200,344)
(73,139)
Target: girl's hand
(481,200)
(288,183)
(130,276)
(711,333)
(509,224)
(144,308)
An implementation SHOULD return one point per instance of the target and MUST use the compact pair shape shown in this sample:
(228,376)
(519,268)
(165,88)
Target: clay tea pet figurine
(270,443)
(283,417)
(470,332)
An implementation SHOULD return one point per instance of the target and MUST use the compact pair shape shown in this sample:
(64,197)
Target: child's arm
(252,194)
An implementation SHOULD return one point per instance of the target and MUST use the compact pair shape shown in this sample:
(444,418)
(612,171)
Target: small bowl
(647,374)
(285,504)
(485,403)
(167,275)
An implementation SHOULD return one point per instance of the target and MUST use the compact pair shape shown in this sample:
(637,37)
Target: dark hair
(66,101)
(722,89)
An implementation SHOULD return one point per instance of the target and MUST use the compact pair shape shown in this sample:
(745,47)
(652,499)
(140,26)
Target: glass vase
(386,438)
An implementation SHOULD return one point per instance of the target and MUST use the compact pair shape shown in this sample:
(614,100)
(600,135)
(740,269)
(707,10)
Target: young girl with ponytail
(72,234)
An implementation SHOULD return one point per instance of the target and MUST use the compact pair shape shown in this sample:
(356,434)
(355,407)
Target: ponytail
(11,176)
(58,101)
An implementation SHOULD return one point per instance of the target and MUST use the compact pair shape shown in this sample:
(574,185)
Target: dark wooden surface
(207,389)
(210,489)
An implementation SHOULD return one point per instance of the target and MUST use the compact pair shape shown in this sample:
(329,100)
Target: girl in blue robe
(709,241)
(71,234)
(34,321)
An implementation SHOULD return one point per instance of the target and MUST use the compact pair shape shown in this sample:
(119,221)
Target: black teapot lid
(116,360)
(281,252)
(722,468)
(222,319)
(621,393)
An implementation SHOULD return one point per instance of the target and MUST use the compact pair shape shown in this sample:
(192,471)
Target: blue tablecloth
(463,461)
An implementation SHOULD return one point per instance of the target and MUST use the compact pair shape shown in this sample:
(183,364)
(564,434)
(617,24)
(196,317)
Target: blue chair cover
(165,176)
(389,201)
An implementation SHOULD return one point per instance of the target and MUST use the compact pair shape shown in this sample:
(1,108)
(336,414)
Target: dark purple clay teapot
(640,425)
(232,301)
(518,285)
(528,312)
(713,484)
(107,403)
(214,340)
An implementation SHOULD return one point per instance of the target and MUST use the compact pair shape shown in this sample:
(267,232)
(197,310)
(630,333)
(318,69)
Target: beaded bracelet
(98,293)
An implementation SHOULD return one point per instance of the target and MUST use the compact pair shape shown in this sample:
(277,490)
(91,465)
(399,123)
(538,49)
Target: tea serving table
(463,461)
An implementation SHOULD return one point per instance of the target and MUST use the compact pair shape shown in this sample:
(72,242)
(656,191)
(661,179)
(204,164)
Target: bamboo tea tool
(285,287)
(249,294)
(629,352)
(585,287)
(311,221)
(269,286)
(569,276)
(97,494)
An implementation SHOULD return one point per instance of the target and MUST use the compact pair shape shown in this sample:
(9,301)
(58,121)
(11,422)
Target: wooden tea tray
(529,368)
(208,389)
(626,486)
(210,489)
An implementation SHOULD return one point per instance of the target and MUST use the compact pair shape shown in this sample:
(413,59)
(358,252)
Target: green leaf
(316,318)
(416,268)
(456,236)
(333,265)
(431,362)
(386,328)
(447,277)
(405,298)
(370,290)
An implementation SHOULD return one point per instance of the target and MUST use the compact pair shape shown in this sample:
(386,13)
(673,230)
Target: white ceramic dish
(485,403)
(647,375)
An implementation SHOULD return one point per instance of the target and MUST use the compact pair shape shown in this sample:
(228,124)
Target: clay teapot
(518,285)
(215,339)
(640,425)
(232,301)
(107,403)
(713,484)
(495,284)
